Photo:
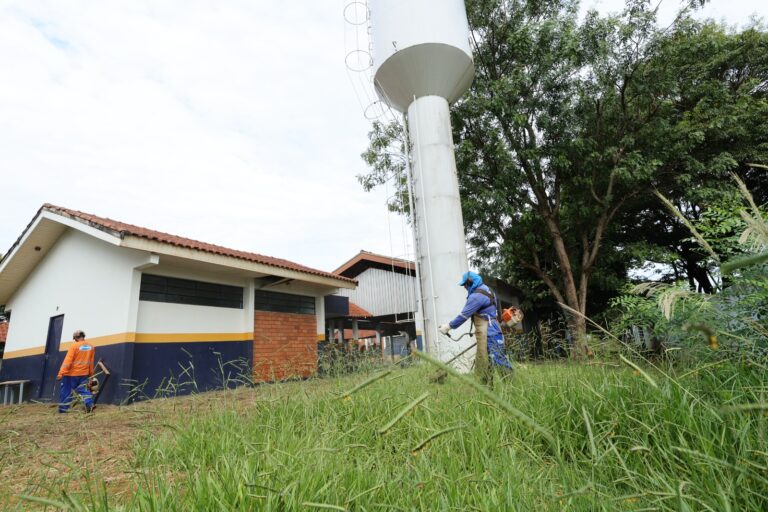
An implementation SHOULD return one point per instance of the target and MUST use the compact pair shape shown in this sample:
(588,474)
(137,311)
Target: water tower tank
(420,48)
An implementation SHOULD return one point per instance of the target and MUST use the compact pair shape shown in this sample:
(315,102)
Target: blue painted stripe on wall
(167,369)
(25,368)
(157,368)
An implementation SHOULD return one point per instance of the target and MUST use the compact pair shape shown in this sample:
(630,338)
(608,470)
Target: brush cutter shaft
(461,353)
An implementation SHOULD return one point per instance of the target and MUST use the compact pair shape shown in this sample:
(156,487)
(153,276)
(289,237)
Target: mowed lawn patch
(400,442)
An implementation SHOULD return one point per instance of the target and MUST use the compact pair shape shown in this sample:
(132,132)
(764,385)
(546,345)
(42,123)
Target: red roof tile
(356,311)
(122,229)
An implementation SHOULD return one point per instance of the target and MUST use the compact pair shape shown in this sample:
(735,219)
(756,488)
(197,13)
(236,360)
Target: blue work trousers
(496,351)
(71,386)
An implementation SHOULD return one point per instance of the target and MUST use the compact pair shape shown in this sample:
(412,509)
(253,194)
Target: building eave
(40,235)
(161,248)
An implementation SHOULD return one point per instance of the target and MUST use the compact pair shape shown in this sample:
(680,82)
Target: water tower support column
(439,223)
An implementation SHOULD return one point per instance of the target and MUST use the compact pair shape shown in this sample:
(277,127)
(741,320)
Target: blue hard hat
(469,277)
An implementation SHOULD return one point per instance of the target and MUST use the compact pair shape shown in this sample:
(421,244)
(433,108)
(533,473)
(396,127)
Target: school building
(166,314)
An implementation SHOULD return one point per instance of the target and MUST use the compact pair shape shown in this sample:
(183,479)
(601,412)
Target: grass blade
(744,407)
(402,413)
(677,213)
(592,447)
(497,400)
(323,505)
(640,371)
(365,383)
(45,501)
(416,449)
(747,261)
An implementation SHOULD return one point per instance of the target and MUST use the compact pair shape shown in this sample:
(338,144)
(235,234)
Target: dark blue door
(51,360)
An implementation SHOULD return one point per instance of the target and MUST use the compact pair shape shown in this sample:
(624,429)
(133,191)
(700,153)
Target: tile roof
(122,229)
(365,259)
(356,311)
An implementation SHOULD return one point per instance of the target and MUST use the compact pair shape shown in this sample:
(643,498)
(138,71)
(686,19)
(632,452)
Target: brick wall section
(284,346)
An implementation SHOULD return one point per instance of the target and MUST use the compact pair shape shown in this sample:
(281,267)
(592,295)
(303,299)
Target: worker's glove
(445,328)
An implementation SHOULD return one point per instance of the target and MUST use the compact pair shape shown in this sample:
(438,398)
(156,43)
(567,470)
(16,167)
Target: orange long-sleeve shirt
(79,360)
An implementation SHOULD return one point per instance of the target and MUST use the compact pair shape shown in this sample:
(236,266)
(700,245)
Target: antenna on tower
(358,60)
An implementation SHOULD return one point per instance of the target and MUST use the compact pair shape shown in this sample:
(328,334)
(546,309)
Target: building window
(284,303)
(185,291)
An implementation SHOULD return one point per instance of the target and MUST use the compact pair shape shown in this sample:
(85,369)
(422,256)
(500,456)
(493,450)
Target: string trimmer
(440,375)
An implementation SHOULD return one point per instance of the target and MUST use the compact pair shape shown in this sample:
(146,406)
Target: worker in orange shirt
(75,373)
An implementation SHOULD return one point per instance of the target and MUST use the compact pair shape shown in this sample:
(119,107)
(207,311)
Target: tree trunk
(698,277)
(576,322)
(578,327)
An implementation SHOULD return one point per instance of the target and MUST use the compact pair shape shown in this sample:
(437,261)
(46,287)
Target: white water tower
(422,62)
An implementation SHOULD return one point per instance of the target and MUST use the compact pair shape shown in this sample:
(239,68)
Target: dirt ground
(40,448)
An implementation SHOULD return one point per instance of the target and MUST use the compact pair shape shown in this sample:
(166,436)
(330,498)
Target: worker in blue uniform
(481,308)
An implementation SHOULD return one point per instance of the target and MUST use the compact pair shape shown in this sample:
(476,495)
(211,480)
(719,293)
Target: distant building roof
(356,311)
(364,260)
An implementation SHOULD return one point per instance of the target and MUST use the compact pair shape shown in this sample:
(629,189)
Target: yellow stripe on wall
(25,352)
(97,341)
(321,337)
(140,337)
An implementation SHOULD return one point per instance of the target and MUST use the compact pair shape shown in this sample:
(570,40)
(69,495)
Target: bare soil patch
(41,449)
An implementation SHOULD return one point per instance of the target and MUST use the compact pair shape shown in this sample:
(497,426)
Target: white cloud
(229,122)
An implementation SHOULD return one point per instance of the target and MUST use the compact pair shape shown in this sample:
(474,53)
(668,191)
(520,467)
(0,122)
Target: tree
(566,127)
(719,103)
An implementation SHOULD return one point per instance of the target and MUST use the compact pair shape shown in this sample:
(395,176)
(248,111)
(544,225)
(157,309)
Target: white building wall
(167,318)
(382,292)
(85,279)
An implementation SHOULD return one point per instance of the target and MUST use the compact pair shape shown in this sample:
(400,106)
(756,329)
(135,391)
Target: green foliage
(639,312)
(663,313)
(721,224)
(386,159)
(738,315)
(714,125)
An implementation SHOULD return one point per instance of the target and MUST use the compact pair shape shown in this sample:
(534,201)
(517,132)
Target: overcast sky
(231,121)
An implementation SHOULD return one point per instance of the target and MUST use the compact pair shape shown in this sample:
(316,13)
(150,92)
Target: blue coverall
(482,305)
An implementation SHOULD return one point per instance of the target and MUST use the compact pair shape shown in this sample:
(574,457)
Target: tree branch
(536,268)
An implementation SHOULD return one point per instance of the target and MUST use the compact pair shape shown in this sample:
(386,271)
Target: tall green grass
(696,442)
